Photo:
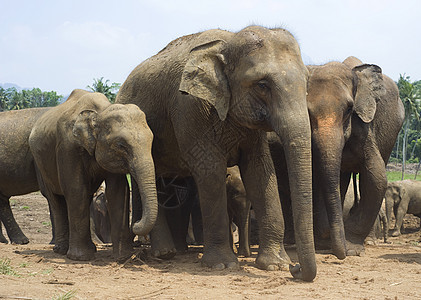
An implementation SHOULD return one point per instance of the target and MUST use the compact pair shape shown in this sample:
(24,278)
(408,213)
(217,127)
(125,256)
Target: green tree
(101,86)
(410,97)
(50,99)
(17,100)
(4,99)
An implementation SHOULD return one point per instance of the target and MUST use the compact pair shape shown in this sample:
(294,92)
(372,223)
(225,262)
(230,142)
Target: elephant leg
(162,244)
(371,238)
(373,184)
(2,238)
(53,238)
(197,222)
(213,202)
(243,224)
(178,221)
(58,213)
(259,178)
(400,214)
(13,230)
(117,194)
(136,204)
(321,227)
(389,209)
(81,246)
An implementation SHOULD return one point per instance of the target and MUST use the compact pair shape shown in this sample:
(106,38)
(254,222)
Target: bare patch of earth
(386,271)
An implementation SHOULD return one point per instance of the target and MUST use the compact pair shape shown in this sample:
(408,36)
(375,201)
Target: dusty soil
(386,271)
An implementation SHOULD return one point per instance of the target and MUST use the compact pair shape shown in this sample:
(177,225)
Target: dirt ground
(34,271)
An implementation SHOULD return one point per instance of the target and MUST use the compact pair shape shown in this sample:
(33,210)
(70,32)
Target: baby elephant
(404,197)
(239,208)
(77,145)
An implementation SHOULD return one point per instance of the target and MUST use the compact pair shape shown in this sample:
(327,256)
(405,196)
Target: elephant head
(257,79)
(121,142)
(337,94)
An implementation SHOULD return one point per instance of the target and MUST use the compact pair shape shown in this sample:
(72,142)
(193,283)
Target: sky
(62,45)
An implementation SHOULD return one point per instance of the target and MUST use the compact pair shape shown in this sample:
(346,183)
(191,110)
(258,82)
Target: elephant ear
(84,130)
(369,90)
(402,192)
(203,76)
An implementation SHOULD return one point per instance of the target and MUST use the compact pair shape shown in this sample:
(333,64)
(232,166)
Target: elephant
(209,98)
(100,218)
(17,168)
(402,197)
(76,146)
(355,115)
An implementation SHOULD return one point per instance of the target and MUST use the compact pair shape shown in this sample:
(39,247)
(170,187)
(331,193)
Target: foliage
(11,98)
(68,295)
(101,86)
(408,144)
(6,268)
(397,175)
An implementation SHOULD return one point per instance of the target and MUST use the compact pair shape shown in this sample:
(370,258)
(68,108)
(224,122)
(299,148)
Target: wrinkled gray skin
(77,145)
(208,98)
(17,169)
(355,115)
(402,197)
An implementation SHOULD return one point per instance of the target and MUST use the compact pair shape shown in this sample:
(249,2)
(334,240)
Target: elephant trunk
(327,155)
(295,135)
(144,176)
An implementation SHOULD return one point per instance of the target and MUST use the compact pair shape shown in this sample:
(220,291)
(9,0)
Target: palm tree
(410,97)
(101,86)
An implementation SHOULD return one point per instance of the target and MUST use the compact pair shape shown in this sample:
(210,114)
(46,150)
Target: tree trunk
(413,149)
(397,151)
(405,137)
(416,172)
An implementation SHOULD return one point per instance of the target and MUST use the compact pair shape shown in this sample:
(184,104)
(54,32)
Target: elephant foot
(164,253)
(396,233)
(81,253)
(273,261)
(2,238)
(370,242)
(162,246)
(354,248)
(220,260)
(181,247)
(61,248)
(19,239)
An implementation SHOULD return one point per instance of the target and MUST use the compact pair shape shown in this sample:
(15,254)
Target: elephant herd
(205,102)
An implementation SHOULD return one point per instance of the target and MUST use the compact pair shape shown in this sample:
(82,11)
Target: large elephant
(402,197)
(355,115)
(77,145)
(17,169)
(208,98)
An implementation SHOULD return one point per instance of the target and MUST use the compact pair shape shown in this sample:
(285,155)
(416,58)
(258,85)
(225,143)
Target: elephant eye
(349,109)
(262,87)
